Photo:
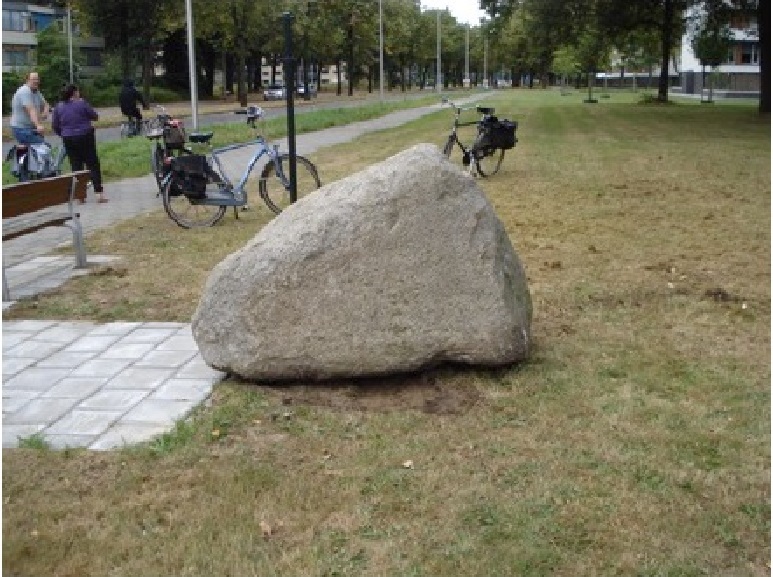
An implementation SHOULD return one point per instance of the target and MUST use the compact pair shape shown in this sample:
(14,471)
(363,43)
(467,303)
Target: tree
(711,40)
(565,64)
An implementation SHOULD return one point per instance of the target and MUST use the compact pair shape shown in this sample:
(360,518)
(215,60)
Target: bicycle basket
(174,135)
(190,176)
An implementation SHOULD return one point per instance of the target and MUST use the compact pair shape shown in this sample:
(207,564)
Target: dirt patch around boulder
(433,391)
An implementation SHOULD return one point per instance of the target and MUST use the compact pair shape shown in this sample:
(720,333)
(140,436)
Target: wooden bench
(60,194)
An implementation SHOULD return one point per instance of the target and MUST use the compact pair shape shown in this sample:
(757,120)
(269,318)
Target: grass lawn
(635,441)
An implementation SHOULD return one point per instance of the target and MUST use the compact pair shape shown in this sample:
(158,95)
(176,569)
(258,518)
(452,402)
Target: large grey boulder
(401,266)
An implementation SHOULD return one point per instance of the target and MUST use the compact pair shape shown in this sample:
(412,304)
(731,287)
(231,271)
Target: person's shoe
(102,199)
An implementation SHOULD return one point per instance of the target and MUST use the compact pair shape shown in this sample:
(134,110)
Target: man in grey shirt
(28,111)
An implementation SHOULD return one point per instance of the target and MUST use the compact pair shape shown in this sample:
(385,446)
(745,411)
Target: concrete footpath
(102,386)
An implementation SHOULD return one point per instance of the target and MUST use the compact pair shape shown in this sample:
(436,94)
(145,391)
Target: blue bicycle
(197,190)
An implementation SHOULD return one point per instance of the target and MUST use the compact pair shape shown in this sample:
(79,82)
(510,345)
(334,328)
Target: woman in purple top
(71,120)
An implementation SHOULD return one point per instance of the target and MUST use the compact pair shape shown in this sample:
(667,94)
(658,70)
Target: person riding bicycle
(128,100)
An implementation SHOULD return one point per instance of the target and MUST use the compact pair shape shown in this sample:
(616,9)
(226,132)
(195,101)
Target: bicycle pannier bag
(174,135)
(503,134)
(190,176)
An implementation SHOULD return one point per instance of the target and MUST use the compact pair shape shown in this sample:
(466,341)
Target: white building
(740,74)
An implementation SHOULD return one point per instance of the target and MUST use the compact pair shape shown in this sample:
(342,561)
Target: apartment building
(22,21)
(739,75)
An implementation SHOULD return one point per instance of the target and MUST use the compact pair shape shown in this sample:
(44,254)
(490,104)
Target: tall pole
(485,59)
(380,51)
(192,63)
(69,41)
(438,73)
(467,58)
(289,74)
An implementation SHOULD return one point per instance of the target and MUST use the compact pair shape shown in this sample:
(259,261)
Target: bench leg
(77,243)
(6,292)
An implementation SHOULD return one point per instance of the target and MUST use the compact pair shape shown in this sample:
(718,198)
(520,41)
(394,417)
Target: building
(739,75)
(21,23)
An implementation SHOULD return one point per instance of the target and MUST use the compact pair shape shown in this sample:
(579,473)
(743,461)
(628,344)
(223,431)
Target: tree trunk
(241,80)
(667,40)
(147,70)
(763,21)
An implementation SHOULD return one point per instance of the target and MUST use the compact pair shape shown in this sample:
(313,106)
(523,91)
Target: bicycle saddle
(200,137)
(485,110)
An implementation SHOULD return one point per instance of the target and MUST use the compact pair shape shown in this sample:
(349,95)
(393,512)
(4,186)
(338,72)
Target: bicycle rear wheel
(449,147)
(275,194)
(488,160)
(186,214)
(157,165)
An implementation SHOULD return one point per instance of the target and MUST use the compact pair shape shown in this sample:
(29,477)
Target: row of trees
(546,36)
(532,38)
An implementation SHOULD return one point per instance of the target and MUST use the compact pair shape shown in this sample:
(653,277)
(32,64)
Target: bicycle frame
(236,195)
(263,148)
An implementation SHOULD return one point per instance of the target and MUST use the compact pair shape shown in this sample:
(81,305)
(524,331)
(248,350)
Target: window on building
(92,56)
(16,56)
(17,21)
(749,53)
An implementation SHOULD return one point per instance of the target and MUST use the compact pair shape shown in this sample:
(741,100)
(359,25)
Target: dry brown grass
(635,441)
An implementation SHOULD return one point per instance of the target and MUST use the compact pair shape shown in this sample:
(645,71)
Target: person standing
(28,111)
(71,120)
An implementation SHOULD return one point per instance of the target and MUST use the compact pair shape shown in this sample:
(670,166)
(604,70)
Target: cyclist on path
(128,100)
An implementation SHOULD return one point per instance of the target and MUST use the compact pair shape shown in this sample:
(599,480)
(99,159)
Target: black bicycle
(493,138)
(167,136)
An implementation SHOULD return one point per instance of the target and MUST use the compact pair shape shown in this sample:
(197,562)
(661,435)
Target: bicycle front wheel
(488,160)
(186,214)
(274,192)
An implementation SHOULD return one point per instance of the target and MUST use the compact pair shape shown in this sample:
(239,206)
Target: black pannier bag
(497,133)
(190,173)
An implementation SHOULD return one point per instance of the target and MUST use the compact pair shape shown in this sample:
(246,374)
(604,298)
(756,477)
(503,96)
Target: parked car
(312,90)
(274,92)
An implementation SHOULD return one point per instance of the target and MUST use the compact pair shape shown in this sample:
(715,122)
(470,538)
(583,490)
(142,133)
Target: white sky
(463,10)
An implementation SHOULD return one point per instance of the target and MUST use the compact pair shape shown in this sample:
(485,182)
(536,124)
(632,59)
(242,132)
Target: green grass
(634,441)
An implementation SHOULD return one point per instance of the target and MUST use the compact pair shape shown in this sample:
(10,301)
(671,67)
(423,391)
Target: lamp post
(438,72)
(380,51)
(192,63)
(485,59)
(467,58)
(69,41)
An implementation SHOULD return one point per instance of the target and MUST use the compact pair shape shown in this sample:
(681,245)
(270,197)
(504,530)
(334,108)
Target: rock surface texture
(399,267)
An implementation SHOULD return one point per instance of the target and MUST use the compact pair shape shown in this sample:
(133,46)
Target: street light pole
(485,59)
(69,41)
(380,51)
(467,58)
(192,63)
(438,73)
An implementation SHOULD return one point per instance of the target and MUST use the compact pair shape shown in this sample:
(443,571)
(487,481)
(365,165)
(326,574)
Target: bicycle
(35,161)
(197,190)
(134,127)
(492,139)
(167,136)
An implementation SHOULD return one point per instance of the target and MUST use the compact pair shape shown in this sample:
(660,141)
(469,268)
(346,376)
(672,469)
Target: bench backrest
(26,197)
